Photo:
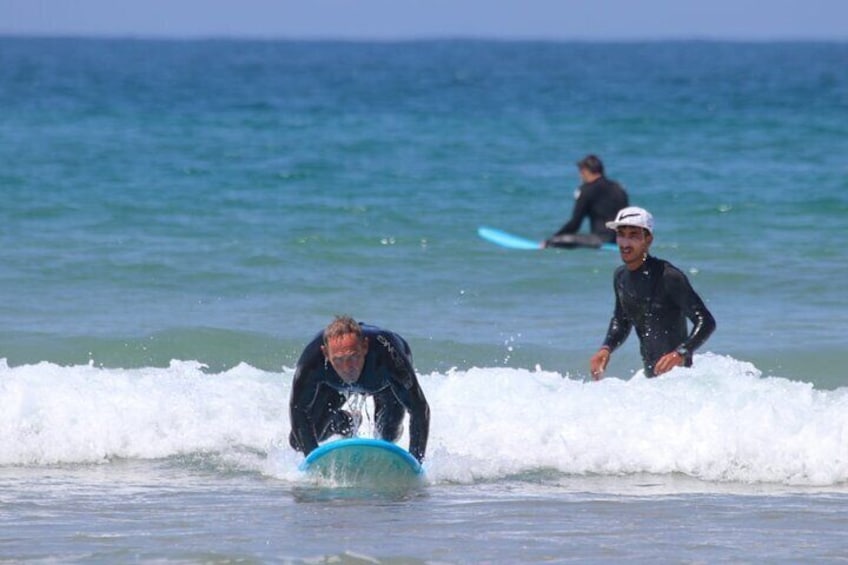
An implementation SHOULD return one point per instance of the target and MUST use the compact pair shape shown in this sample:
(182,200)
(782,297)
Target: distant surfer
(599,199)
(353,358)
(655,298)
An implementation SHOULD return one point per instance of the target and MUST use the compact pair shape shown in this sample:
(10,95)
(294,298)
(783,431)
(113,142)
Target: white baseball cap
(633,216)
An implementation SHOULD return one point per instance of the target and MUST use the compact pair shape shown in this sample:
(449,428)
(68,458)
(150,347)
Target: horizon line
(422,38)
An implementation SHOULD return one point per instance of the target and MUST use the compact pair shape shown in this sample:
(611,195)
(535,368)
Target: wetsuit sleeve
(419,416)
(408,391)
(304,390)
(579,212)
(703,323)
(620,324)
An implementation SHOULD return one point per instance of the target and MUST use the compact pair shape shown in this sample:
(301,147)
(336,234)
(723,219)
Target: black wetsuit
(657,299)
(599,200)
(318,394)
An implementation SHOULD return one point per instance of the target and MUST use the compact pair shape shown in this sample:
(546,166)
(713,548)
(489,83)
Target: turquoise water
(231,196)
(178,218)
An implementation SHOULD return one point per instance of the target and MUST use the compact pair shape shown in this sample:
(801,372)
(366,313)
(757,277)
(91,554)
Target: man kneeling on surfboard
(598,199)
(353,358)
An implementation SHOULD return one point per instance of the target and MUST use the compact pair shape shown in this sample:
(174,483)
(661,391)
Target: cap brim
(615,225)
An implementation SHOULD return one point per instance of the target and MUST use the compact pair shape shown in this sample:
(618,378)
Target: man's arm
(577,214)
(617,332)
(303,393)
(419,421)
(703,323)
(409,393)
(619,326)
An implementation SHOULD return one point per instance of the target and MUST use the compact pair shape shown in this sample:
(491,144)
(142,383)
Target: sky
(757,20)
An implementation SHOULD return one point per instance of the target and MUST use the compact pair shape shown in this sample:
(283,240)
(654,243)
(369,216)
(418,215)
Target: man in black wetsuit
(655,298)
(599,199)
(346,358)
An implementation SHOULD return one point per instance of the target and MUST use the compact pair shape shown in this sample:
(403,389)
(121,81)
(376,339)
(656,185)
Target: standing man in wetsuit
(654,297)
(347,358)
(598,199)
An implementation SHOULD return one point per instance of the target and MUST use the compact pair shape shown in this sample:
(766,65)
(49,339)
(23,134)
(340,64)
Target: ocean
(179,218)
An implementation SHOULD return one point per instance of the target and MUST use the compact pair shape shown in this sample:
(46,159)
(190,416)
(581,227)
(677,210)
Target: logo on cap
(633,216)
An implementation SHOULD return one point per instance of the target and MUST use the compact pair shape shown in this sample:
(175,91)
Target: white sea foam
(719,421)
(54,414)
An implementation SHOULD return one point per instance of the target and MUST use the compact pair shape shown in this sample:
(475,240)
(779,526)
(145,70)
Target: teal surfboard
(508,240)
(363,462)
(512,241)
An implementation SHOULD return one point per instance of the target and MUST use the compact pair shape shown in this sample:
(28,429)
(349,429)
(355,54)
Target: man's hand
(598,363)
(668,362)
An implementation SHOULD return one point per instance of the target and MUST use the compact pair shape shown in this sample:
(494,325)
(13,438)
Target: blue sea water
(178,218)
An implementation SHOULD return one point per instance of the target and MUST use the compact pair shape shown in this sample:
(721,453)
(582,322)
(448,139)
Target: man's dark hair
(592,164)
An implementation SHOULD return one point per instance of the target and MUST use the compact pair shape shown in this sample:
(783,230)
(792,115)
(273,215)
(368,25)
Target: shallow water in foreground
(160,510)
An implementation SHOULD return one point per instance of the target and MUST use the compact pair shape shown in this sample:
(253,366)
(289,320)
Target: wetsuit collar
(641,265)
